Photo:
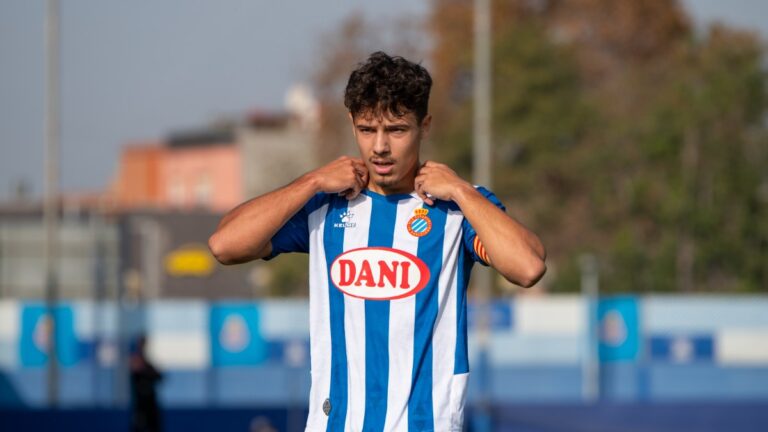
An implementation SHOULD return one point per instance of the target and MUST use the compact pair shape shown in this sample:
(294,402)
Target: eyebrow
(397,126)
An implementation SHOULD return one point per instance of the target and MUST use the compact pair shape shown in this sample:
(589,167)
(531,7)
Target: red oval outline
(422,266)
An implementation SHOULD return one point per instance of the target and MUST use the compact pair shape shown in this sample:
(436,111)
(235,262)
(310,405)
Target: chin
(383,182)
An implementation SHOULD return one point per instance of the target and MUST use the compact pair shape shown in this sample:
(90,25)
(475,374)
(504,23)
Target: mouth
(382,166)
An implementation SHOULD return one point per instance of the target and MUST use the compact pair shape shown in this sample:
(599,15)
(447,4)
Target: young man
(391,243)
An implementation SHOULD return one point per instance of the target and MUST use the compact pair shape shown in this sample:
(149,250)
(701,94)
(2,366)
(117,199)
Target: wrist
(310,181)
(462,192)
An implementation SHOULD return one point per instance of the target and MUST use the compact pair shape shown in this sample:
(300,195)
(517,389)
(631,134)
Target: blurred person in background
(145,411)
(391,241)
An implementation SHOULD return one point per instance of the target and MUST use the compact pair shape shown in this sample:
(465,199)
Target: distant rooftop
(201,137)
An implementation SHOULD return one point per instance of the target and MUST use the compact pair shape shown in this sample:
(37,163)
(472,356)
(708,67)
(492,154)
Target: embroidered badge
(420,224)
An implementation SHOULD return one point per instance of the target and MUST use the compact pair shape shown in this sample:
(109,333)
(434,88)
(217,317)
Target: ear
(426,125)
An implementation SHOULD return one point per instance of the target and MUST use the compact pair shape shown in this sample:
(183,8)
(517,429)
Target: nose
(381,143)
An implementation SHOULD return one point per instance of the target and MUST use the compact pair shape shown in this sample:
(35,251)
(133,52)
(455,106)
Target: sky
(139,70)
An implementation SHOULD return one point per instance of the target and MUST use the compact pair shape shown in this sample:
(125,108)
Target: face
(389,146)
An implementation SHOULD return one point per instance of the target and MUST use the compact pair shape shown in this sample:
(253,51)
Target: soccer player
(391,241)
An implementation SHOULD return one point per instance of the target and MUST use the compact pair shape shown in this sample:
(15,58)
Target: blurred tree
(289,276)
(619,131)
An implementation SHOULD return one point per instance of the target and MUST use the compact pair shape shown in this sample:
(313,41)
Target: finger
(420,191)
(360,178)
(360,167)
(354,193)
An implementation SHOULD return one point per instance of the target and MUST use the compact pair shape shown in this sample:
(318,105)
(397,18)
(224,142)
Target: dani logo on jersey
(379,273)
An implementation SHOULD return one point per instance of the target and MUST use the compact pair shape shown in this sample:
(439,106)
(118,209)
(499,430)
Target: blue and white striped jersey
(388,310)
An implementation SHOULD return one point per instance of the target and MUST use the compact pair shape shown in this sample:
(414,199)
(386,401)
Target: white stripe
(174,350)
(561,315)
(402,314)
(9,333)
(319,323)
(178,316)
(283,318)
(354,318)
(743,347)
(93,319)
(9,320)
(444,333)
(693,314)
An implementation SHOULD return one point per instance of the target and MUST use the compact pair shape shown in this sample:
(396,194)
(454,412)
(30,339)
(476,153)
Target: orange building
(191,171)
(217,168)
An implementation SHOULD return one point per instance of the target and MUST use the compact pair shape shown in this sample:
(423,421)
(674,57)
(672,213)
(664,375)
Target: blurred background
(632,136)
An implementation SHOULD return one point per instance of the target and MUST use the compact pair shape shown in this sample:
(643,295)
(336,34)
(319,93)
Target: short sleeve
(294,235)
(471,242)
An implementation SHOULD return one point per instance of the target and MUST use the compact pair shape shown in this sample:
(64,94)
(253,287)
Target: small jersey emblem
(420,224)
(327,407)
(345,220)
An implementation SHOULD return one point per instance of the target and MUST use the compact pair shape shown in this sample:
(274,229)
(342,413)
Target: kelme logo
(379,273)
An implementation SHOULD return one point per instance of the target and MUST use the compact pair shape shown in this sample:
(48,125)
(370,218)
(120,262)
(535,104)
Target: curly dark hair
(388,84)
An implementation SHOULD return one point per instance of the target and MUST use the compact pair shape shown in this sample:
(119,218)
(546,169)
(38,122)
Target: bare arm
(244,233)
(512,249)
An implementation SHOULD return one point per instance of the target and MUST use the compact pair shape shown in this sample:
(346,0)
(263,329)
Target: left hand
(437,181)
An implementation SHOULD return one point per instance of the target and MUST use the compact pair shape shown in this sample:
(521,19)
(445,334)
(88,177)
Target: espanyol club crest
(41,337)
(234,336)
(420,225)
(379,273)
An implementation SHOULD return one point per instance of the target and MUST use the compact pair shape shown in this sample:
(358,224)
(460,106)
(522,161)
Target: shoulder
(318,200)
(490,196)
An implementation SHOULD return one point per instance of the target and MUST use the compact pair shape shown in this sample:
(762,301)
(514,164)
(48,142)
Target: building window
(176,191)
(203,190)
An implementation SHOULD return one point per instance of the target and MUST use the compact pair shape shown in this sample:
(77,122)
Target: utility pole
(590,292)
(51,193)
(481,173)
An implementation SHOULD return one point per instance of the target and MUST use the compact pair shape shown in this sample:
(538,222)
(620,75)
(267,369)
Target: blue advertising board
(36,326)
(235,336)
(501,315)
(681,348)
(618,329)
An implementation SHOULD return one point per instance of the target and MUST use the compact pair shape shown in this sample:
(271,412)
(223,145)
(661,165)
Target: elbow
(529,275)
(218,249)
(533,275)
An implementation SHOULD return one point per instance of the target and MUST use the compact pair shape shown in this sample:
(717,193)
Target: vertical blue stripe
(382,231)
(431,252)
(333,242)
(461,358)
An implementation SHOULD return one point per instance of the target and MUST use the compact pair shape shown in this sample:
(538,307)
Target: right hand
(346,176)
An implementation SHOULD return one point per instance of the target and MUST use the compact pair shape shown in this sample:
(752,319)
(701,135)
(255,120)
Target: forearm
(514,251)
(244,233)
